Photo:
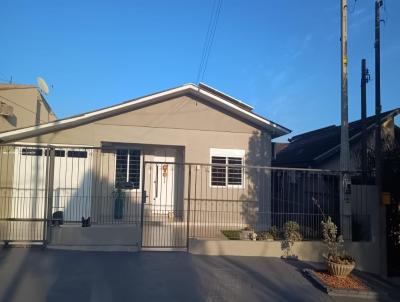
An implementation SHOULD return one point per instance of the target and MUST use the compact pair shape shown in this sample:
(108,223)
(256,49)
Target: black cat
(85,222)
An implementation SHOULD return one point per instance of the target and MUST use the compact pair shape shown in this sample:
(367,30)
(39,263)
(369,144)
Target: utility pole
(344,137)
(378,107)
(364,80)
(378,142)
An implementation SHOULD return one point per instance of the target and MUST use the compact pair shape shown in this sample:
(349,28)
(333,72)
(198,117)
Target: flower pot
(118,207)
(339,270)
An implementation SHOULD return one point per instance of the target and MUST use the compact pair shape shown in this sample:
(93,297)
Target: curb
(342,292)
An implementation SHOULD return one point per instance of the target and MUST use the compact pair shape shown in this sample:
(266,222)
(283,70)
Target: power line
(354,7)
(212,26)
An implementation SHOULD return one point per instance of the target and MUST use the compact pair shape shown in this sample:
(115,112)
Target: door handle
(156,182)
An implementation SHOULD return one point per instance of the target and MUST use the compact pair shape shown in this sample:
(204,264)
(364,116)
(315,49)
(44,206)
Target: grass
(231,234)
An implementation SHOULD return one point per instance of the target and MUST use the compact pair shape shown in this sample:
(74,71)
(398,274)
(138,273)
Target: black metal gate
(164,222)
(393,237)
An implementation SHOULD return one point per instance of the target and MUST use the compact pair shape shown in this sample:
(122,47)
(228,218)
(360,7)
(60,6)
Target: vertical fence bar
(143,200)
(188,207)
(49,182)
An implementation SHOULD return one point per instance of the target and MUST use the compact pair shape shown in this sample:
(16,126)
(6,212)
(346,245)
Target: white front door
(163,194)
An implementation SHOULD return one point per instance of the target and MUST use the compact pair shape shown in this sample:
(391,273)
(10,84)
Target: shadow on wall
(258,182)
(12,120)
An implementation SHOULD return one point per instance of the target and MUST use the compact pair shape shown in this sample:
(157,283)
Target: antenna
(42,85)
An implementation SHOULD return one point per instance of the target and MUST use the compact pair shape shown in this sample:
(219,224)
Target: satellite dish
(42,85)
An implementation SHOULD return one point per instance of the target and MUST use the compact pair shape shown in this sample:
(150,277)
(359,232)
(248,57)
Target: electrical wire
(354,7)
(211,29)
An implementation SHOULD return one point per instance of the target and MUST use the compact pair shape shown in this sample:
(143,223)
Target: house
(320,148)
(138,149)
(22,106)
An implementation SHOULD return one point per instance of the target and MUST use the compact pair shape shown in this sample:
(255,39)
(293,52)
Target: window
(227,167)
(127,169)
(32,152)
(57,153)
(78,154)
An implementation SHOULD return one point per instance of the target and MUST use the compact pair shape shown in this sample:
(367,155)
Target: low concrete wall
(365,253)
(305,250)
(98,237)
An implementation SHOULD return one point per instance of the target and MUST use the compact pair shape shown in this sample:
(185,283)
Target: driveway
(52,275)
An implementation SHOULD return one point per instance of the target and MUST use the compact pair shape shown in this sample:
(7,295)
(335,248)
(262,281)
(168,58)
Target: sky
(281,57)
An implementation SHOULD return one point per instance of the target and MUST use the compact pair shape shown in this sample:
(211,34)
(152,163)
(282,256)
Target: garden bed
(349,286)
(231,234)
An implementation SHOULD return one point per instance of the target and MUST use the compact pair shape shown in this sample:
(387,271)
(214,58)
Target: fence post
(188,207)
(48,208)
(143,201)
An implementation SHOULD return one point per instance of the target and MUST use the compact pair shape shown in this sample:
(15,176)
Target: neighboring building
(321,148)
(22,106)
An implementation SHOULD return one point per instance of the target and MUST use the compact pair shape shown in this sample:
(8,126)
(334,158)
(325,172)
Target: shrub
(231,234)
(273,230)
(264,235)
(336,252)
(291,233)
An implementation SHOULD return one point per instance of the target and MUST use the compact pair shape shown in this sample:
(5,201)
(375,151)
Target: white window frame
(227,153)
(127,170)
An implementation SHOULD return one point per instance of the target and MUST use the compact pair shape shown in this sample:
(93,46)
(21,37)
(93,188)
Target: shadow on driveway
(53,275)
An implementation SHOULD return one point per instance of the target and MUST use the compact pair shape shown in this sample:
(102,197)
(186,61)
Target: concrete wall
(184,121)
(29,108)
(108,237)
(364,253)
(6,191)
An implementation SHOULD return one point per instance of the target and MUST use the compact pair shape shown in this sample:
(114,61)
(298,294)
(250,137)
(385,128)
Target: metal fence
(41,186)
(210,200)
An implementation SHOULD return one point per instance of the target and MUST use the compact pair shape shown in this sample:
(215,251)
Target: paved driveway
(51,275)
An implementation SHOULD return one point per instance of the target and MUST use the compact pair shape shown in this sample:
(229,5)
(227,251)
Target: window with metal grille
(226,171)
(127,169)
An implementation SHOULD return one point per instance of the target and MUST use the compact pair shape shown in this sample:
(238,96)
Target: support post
(364,81)
(49,189)
(143,201)
(345,186)
(188,207)
(378,141)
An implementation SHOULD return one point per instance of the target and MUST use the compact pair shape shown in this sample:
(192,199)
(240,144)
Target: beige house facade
(143,148)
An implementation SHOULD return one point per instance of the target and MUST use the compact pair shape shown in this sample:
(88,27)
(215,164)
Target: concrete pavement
(52,275)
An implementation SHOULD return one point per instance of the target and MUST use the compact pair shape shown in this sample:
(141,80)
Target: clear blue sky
(282,57)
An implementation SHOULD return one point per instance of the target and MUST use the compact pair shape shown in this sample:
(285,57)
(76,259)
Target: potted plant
(339,263)
(265,235)
(118,203)
(253,236)
(291,234)
(246,233)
